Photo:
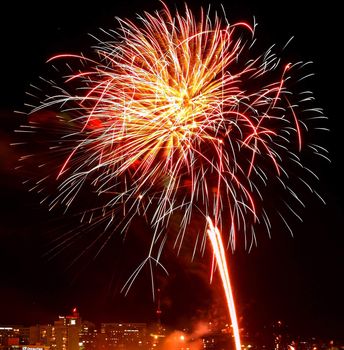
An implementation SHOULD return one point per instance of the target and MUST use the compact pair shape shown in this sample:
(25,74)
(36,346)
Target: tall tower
(158,311)
(158,331)
(73,330)
(66,331)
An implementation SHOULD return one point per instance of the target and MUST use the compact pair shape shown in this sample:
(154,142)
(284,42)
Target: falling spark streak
(219,253)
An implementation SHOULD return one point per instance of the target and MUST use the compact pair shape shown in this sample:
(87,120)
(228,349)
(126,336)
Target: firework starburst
(176,115)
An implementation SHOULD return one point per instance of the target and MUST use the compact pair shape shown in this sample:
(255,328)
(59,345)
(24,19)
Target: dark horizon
(297,279)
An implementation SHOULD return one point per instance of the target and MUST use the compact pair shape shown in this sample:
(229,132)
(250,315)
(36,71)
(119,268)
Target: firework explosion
(174,115)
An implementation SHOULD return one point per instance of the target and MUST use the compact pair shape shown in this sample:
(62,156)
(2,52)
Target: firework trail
(175,115)
(220,255)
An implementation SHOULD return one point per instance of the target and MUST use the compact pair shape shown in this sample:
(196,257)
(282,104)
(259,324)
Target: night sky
(297,279)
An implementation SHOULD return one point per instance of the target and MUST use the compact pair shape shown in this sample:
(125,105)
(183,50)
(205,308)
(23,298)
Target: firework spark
(174,115)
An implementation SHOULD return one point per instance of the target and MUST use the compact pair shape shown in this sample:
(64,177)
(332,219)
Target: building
(88,337)
(66,331)
(13,336)
(41,334)
(63,334)
(218,341)
(128,336)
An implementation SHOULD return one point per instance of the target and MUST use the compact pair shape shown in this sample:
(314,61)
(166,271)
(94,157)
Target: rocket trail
(219,252)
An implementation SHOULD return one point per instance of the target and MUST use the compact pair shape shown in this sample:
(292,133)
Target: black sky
(297,279)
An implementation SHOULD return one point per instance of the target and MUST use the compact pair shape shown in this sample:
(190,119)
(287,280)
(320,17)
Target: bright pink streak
(219,252)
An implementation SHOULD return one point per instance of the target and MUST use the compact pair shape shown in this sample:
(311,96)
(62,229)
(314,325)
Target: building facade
(128,336)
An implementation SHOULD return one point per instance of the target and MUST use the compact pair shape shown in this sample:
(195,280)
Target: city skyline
(73,332)
(293,278)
